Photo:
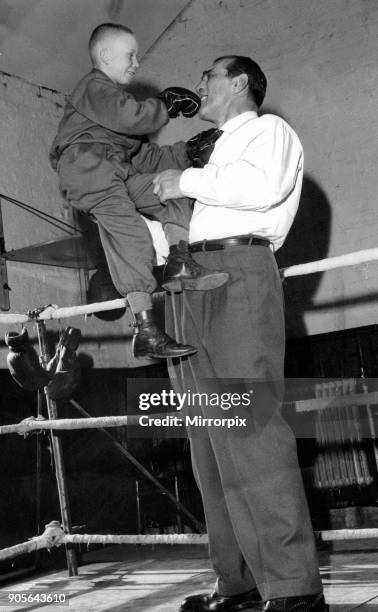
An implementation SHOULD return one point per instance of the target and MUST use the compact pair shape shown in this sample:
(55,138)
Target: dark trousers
(256,512)
(93,179)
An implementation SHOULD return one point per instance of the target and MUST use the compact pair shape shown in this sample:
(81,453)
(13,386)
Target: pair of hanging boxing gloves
(62,373)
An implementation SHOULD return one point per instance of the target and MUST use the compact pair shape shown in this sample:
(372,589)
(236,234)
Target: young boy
(106,168)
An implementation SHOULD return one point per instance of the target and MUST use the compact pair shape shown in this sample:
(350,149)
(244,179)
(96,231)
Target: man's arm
(263,176)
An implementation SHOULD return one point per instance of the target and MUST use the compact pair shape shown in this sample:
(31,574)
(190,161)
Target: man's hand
(167,185)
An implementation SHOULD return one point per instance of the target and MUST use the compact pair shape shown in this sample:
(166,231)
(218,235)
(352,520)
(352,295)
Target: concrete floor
(156,579)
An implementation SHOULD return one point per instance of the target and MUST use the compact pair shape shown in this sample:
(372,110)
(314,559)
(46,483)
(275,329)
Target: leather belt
(224,243)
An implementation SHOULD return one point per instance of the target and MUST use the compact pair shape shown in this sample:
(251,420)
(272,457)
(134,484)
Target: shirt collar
(236,122)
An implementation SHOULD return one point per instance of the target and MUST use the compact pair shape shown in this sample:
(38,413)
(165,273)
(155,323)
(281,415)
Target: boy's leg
(92,184)
(181,270)
(175,213)
(148,340)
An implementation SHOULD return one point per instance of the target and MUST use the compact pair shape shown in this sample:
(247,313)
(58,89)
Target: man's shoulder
(265,121)
(275,122)
(278,127)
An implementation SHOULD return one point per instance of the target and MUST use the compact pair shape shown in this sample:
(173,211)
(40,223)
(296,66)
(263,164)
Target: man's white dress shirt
(251,184)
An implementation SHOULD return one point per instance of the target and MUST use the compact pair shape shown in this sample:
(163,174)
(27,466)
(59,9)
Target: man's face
(215,91)
(121,58)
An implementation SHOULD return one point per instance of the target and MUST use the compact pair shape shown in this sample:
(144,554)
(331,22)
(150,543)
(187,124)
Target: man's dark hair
(239,64)
(101,31)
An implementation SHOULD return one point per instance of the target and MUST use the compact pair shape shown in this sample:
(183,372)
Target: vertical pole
(38,477)
(58,455)
(138,506)
(4,288)
(179,521)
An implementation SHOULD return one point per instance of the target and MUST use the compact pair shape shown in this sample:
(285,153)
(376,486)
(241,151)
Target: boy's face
(119,58)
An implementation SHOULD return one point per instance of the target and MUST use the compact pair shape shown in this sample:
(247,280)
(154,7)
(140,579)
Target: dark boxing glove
(200,147)
(23,362)
(180,100)
(64,367)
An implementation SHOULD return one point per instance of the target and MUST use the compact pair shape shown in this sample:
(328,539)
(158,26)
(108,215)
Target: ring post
(58,454)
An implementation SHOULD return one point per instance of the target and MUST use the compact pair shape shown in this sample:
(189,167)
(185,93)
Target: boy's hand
(180,100)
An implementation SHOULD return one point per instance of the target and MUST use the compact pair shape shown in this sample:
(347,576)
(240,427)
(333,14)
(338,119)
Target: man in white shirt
(246,196)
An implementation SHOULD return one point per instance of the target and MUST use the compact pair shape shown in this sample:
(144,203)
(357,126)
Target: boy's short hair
(99,34)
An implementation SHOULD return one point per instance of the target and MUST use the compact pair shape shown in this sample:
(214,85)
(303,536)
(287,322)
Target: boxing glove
(23,362)
(180,100)
(64,367)
(200,147)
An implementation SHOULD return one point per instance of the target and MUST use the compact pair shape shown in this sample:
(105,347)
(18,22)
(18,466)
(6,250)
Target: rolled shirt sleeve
(262,177)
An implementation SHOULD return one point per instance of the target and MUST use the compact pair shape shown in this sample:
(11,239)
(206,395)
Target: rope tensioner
(54,536)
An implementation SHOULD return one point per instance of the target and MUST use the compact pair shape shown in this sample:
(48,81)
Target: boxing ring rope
(32,424)
(54,534)
(322,265)
(53,312)
(308,405)
(331,263)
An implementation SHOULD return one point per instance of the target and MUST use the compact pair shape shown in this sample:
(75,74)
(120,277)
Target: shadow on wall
(308,240)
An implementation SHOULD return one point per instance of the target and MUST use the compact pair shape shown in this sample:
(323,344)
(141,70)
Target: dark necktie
(200,147)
